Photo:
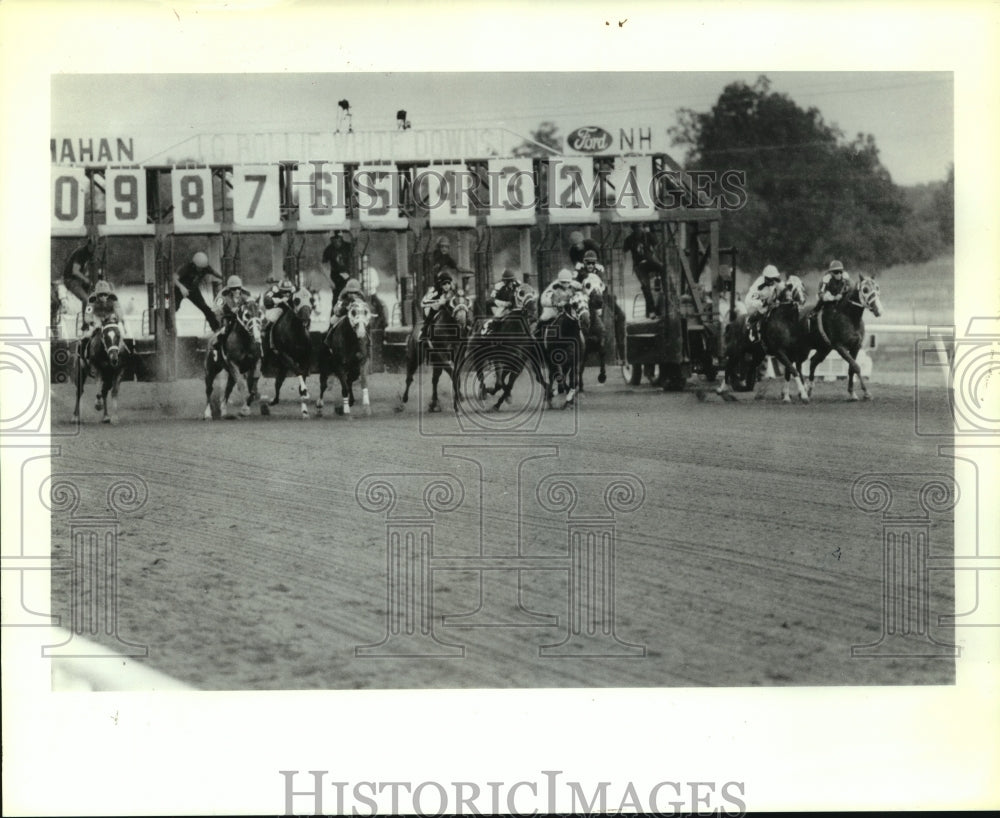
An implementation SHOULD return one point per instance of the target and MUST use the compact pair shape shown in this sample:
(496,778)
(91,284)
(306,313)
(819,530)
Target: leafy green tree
(812,194)
(944,206)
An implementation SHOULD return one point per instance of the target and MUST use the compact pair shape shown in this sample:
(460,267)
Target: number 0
(62,213)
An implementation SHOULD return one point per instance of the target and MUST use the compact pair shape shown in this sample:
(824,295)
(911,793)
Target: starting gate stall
(400,185)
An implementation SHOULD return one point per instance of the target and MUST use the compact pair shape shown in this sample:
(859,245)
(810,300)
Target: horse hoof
(866,396)
(76,418)
(264,408)
(207,414)
(804,398)
(105,419)
(602,378)
(433,408)
(245,412)
(398,408)
(729,396)
(273,402)
(853,396)
(339,410)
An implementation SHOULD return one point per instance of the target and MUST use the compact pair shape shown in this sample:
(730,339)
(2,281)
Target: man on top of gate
(187,284)
(77,281)
(441,258)
(641,246)
(338,256)
(834,285)
(761,296)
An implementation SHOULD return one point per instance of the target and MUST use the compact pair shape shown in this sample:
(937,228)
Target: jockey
(556,294)
(276,299)
(105,308)
(834,285)
(761,296)
(503,296)
(431,304)
(351,292)
(228,302)
(588,274)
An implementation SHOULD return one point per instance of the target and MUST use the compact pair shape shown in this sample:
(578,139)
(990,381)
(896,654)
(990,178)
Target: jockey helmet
(835,267)
(576,237)
(352,286)
(771,273)
(508,275)
(101,287)
(200,260)
(443,278)
(271,279)
(233,283)
(443,242)
(590,255)
(565,275)
(286,286)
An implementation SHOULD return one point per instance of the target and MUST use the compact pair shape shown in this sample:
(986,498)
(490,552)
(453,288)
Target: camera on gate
(958,380)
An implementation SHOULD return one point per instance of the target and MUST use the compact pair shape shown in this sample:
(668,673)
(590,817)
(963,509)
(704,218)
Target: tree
(944,205)
(544,136)
(812,195)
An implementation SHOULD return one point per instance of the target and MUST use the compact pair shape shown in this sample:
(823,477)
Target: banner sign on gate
(256,199)
(378,191)
(70,189)
(512,192)
(320,191)
(194,203)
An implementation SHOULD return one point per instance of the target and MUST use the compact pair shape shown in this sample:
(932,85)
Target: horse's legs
(323,378)
(814,362)
(412,362)
(209,385)
(114,397)
(791,369)
(80,375)
(279,379)
(303,395)
(366,404)
(853,369)
(436,370)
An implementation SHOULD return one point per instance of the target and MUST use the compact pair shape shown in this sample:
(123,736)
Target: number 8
(192,197)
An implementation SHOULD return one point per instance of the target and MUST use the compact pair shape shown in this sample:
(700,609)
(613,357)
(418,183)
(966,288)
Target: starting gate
(541,200)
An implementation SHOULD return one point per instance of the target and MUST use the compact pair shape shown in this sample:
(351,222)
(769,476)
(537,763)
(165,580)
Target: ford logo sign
(589,139)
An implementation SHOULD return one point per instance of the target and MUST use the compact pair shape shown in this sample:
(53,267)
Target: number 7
(260,179)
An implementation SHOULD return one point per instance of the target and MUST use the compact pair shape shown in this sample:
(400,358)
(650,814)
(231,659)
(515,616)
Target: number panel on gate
(70,196)
(193,201)
(125,203)
(512,193)
(319,189)
(256,198)
(572,191)
(378,192)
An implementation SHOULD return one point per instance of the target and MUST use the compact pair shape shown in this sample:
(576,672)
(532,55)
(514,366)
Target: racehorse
(562,344)
(594,334)
(505,345)
(238,357)
(839,326)
(344,353)
(105,353)
(441,349)
(782,337)
(287,348)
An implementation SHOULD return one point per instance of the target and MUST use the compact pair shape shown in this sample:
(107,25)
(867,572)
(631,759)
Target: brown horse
(288,348)
(839,326)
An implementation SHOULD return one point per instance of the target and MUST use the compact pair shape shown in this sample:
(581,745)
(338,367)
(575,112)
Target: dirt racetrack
(252,565)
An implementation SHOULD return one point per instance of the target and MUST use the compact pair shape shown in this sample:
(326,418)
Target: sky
(910,114)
